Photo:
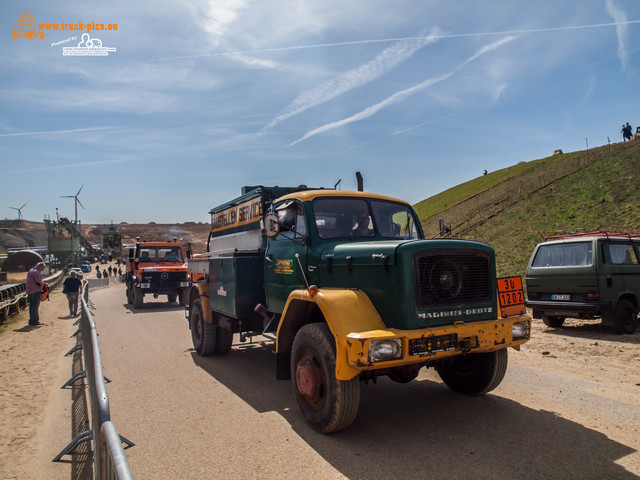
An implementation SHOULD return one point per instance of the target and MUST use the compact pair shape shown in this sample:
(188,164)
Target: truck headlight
(145,285)
(383,350)
(520,330)
(184,284)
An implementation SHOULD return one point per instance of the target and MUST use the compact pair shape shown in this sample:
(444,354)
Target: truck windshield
(576,254)
(358,218)
(161,254)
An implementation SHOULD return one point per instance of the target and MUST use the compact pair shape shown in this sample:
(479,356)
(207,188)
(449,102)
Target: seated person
(171,256)
(362,226)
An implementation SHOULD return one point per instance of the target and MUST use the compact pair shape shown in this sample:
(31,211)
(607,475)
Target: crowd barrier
(109,459)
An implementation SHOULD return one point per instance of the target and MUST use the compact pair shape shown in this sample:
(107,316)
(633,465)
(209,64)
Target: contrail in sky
(385,61)
(54,132)
(401,95)
(387,40)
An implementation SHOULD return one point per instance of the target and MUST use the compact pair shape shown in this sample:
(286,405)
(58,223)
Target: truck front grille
(165,279)
(450,277)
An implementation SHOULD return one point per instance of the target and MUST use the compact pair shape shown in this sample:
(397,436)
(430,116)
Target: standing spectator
(35,285)
(110,270)
(98,272)
(626,132)
(72,288)
(119,271)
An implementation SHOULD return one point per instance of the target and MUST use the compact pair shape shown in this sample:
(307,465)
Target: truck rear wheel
(203,334)
(553,322)
(224,340)
(327,404)
(474,374)
(138,297)
(626,317)
(128,294)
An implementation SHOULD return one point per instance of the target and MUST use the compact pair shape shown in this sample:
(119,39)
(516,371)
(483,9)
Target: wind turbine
(77,201)
(19,211)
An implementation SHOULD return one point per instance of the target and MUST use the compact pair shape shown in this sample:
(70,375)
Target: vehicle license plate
(438,343)
(561,297)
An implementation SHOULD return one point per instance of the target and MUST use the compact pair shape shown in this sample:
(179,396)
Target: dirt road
(569,407)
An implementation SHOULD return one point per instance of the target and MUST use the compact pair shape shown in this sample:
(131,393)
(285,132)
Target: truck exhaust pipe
(360,182)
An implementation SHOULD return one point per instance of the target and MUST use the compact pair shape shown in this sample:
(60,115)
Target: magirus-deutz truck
(349,289)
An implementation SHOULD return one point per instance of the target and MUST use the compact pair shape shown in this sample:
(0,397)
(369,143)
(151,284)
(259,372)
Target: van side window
(622,254)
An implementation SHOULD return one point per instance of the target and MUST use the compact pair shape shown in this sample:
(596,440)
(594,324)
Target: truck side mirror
(271,227)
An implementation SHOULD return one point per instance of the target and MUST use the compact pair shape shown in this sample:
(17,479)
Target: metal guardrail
(109,460)
(97,283)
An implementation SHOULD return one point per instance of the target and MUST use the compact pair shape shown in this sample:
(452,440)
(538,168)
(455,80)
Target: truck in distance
(156,268)
(349,289)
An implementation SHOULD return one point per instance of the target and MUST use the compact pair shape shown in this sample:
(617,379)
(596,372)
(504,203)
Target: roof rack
(608,231)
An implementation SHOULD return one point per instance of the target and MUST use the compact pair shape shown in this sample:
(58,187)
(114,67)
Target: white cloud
(388,59)
(220,15)
(621,30)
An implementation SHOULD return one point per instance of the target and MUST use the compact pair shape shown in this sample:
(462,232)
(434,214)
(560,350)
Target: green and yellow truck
(349,289)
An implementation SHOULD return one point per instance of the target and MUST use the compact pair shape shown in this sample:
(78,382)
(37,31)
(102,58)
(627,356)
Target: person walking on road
(71,287)
(34,288)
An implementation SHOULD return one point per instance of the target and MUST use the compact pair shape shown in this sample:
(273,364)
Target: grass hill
(509,208)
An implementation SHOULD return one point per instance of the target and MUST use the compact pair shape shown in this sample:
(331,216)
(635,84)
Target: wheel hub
(309,380)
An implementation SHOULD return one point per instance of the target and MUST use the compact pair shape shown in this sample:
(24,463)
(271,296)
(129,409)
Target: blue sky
(203,97)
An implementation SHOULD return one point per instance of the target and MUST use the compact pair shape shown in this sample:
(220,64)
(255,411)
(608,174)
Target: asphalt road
(227,417)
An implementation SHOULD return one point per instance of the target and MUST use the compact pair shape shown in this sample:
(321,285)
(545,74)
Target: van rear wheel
(626,317)
(553,322)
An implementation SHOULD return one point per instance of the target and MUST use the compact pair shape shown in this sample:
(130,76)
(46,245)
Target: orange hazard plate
(510,296)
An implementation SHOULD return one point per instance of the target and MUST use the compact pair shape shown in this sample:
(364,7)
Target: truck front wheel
(138,297)
(474,374)
(327,404)
(203,334)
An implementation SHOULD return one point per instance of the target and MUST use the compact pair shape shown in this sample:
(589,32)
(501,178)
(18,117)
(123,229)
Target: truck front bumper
(367,350)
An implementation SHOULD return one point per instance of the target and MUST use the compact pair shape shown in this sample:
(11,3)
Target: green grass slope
(509,208)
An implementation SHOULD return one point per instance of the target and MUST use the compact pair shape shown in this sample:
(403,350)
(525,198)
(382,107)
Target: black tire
(183,297)
(138,297)
(474,374)
(404,374)
(203,334)
(626,317)
(329,405)
(172,297)
(553,322)
(224,340)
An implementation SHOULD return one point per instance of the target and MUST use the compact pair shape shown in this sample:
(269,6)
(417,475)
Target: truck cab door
(283,273)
